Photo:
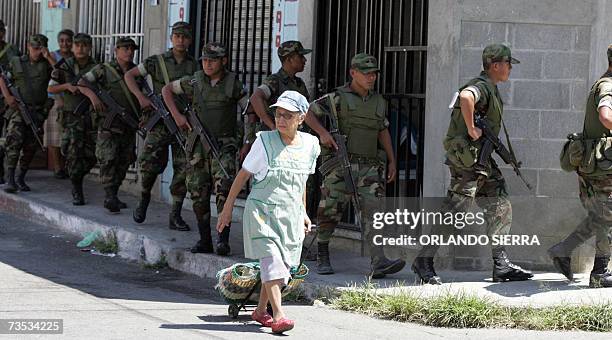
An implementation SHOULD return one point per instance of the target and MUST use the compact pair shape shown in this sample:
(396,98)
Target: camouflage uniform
(468,185)
(595,183)
(361,119)
(7,51)
(216,107)
(78,141)
(31,81)
(277,83)
(154,156)
(115,145)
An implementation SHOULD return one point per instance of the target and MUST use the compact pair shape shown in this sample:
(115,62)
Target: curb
(135,246)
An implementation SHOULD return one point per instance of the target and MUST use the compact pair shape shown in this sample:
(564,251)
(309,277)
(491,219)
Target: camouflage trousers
(115,153)
(369,179)
(78,144)
(596,198)
(467,187)
(154,158)
(2,129)
(19,142)
(204,175)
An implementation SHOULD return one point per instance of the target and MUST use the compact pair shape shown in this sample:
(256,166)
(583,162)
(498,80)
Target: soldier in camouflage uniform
(163,69)
(78,141)
(30,75)
(595,181)
(115,145)
(7,51)
(215,93)
(292,56)
(468,184)
(362,118)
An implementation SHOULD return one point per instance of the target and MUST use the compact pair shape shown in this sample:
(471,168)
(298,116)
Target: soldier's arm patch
(604,90)
(57,77)
(475,92)
(266,90)
(177,87)
(91,75)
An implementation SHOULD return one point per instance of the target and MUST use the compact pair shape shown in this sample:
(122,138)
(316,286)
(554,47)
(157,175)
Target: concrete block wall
(561,45)
(545,96)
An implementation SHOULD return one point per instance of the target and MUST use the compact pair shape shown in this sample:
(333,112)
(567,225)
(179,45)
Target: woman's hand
(307,224)
(224,219)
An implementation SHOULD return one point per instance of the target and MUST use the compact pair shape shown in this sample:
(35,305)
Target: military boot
(121,204)
(77,191)
(11,187)
(561,254)
(382,266)
(205,244)
(601,277)
(323,265)
(21,184)
(140,213)
(424,268)
(223,247)
(175,221)
(110,201)
(504,270)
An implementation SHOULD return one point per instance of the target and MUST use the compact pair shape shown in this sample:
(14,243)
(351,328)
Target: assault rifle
(341,160)
(206,138)
(113,109)
(160,112)
(26,113)
(493,143)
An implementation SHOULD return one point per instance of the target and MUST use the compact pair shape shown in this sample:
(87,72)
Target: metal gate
(22,19)
(108,20)
(395,32)
(245,28)
(105,22)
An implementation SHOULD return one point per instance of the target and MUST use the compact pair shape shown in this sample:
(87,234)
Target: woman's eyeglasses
(285,115)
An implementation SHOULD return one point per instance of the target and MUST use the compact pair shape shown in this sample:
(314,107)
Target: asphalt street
(44,275)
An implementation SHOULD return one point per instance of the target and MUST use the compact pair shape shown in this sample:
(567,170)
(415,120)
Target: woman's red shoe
(264,319)
(282,325)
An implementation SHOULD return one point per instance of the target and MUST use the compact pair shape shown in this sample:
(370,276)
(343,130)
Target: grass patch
(469,311)
(162,263)
(107,243)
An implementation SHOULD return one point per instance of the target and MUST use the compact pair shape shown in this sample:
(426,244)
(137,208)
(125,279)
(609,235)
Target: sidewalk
(50,204)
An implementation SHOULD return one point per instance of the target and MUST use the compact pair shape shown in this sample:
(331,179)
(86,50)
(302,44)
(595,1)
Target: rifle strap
(508,138)
(124,88)
(164,69)
(4,50)
(28,83)
(198,93)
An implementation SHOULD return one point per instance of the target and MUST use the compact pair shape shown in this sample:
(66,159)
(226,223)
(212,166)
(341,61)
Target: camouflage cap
(82,38)
(364,63)
(126,42)
(38,40)
(182,27)
(2,27)
(213,50)
(291,46)
(496,53)
(610,53)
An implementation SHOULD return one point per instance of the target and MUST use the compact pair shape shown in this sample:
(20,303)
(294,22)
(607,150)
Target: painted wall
(51,24)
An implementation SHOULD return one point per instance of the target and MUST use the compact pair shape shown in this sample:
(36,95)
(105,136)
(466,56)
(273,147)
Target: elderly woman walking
(275,219)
